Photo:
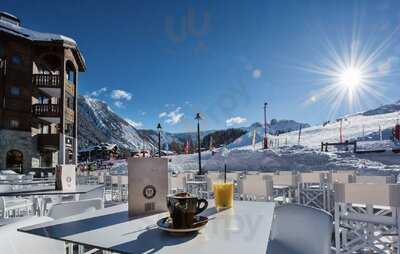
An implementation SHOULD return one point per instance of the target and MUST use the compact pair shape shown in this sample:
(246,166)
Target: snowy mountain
(389,108)
(276,126)
(99,124)
(362,126)
(168,137)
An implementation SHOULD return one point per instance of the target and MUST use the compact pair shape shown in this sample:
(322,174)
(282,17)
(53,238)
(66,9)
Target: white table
(242,229)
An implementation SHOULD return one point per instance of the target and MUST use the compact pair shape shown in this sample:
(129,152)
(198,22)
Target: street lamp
(198,118)
(159,128)
(265,126)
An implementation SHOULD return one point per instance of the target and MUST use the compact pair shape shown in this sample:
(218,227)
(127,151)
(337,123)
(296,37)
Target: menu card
(65,177)
(147,185)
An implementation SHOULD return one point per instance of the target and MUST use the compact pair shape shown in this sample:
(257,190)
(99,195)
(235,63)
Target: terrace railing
(46,80)
(46,110)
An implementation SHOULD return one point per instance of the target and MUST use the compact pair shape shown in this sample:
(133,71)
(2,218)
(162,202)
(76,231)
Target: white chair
(256,187)
(298,229)
(67,209)
(367,218)
(314,190)
(15,242)
(11,206)
(116,190)
(176,183)
(375,179)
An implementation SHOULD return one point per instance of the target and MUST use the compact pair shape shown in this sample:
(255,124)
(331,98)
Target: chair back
(177,182)
(284,178)
(67,209)
(375,179)
(311,177)
(301,230)
(258,186)
(378,194)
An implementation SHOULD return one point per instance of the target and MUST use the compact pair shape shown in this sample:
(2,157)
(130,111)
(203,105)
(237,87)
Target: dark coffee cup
(183,208)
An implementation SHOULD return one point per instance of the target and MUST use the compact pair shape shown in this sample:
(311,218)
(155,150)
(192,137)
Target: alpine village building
(38,91)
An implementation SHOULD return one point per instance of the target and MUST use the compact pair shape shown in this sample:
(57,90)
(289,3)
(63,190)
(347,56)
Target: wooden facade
(38,91)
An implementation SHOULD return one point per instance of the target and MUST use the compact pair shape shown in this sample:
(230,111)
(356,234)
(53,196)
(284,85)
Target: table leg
(81,249)
(39,205)
(70,248)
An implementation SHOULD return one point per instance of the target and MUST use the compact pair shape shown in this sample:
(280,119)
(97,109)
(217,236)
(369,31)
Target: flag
(187,147)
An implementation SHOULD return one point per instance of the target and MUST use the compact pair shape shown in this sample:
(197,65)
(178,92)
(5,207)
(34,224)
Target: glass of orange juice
(223,195)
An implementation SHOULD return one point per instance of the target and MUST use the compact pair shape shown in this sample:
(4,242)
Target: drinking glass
(223,195)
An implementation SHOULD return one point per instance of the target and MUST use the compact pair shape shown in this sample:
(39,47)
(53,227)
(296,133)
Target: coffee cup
(183,208)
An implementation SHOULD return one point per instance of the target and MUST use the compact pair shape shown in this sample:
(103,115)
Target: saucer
(165,224)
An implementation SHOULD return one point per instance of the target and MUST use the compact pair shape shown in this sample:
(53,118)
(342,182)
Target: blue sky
(163,61)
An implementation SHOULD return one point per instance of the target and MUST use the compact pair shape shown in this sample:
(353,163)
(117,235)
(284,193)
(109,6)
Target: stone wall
(22,141)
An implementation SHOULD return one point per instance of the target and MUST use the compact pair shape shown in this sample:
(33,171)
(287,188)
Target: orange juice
(223,194)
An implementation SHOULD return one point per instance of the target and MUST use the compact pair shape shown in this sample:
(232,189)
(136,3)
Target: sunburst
(351,75)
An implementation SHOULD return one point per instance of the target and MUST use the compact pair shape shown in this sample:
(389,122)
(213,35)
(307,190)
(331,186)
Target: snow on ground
(352,129)
(283,158)
(307,156)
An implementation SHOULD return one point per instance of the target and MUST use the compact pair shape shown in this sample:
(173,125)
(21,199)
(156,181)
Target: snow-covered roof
(98,147)
(16,29)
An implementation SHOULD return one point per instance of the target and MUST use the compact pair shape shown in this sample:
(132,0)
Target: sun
(351,78)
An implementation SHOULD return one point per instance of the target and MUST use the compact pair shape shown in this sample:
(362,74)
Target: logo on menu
(149,191)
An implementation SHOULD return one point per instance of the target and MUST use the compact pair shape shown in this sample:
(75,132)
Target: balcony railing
(46,110)
(46,80)
(48,142)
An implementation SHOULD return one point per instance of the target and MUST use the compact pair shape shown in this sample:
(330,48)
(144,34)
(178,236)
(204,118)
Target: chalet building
(103,152)
(38,91)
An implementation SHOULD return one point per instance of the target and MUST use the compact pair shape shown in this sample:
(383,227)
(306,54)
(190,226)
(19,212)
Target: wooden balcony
(46,110)
(50,142)
(46,80)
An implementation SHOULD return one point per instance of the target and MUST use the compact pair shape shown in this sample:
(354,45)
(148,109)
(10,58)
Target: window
(14,124)
(43,100)
(16,60)
(69,129)
(43,129)
(15,91)
(71,75)
(15,160)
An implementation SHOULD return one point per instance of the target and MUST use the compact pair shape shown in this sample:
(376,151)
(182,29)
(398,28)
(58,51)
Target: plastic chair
(298,229)
(256,187)
(67,209)
(11,206)
(15,242)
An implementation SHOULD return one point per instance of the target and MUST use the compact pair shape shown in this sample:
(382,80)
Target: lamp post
(198,118)
(159,128)
(265,126)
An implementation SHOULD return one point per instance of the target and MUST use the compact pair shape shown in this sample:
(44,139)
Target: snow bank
(285,158)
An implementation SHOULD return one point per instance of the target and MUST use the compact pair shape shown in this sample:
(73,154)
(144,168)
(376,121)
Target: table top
(50,191)
(243,228)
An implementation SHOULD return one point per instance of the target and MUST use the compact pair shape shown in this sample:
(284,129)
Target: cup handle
(200,207)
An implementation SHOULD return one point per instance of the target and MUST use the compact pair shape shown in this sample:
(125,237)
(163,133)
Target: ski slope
(355,127)
(290,155)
